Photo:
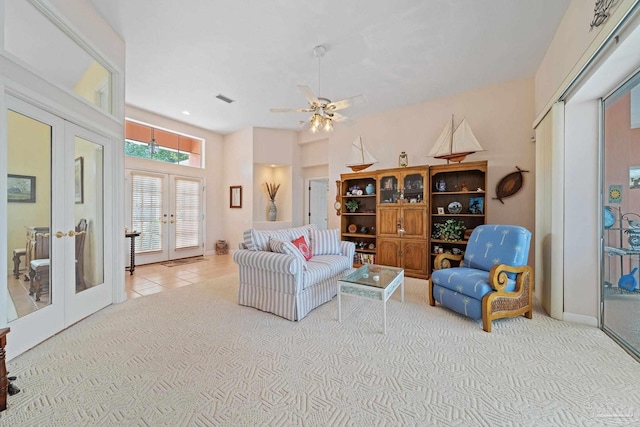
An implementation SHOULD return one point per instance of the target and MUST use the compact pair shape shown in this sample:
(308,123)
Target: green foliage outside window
(163,155)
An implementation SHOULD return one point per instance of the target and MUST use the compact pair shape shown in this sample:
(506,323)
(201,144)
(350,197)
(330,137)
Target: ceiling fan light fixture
(153,145)
(328,124)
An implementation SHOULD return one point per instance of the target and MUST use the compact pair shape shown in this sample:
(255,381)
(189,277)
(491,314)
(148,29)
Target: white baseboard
(580,318)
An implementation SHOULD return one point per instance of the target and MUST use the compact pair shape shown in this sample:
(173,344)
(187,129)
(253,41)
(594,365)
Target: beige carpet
(193,357)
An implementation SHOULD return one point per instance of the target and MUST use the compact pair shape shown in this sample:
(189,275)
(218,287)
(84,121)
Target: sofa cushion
(284,247)
(323,267)
(325,242)
(303,246)
(296,232)
(468,281)
(258,240)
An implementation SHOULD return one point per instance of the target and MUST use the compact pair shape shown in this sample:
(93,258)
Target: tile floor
(146,280)
(152,278)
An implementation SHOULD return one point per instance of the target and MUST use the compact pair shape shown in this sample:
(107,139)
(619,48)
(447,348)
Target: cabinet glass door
(413,186)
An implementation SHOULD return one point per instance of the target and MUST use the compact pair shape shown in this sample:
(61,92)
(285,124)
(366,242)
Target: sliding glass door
(621,216)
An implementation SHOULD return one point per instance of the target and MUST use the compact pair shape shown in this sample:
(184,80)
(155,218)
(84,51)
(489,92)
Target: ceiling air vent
(221,97)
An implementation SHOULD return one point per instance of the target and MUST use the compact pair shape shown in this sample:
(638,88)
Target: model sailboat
(360,158)
(455,143)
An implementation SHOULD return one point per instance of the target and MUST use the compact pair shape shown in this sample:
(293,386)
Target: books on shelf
(360,258)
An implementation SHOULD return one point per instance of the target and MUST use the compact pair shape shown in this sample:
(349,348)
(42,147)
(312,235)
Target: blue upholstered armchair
(492,281)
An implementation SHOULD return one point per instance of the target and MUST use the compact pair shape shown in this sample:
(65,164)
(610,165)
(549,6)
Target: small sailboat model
(360,158)
(455,143)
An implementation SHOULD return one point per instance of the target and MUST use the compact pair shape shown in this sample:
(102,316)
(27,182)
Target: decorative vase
(273,210)
(370,189)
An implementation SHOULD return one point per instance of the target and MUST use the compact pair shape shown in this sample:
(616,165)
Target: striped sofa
(285,283)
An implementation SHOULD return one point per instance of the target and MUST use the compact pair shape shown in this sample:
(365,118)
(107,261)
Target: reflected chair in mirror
(39,268)
(492,280)
(80,236)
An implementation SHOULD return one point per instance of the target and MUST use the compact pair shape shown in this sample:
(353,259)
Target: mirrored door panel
(88,232)
(28,215)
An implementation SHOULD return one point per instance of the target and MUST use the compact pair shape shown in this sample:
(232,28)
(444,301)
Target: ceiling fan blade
(291,110)
(346,103)
(308,93)
(339,117)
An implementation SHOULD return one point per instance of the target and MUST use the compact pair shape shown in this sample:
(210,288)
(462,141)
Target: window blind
(188,211)
(146,211)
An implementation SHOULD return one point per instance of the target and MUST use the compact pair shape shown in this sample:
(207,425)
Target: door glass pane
(28,214)
(389,192)
(146,211)
(34,39)
(188,211)
(89,207)
(413,188)
(621,216)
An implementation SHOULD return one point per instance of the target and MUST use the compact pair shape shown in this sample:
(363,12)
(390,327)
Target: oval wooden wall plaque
(509,185)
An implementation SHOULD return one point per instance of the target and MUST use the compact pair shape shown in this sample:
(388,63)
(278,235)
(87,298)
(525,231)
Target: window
(148,142)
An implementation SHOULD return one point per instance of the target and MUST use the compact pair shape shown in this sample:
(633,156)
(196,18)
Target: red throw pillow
(303,246)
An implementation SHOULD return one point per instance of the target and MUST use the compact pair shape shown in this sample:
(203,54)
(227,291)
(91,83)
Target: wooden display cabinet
(458,191)
(402,226)
(359,226)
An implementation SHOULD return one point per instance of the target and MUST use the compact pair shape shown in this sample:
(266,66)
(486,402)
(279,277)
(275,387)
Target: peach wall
(237,169)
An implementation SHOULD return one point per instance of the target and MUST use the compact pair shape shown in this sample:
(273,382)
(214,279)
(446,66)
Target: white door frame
(307,200)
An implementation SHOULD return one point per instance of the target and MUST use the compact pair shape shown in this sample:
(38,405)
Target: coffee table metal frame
(361,283)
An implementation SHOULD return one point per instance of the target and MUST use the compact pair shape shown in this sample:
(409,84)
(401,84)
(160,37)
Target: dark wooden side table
(3,369)
(132,236)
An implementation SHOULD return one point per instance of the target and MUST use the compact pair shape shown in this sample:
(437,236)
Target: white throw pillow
(325,242)
(283,247)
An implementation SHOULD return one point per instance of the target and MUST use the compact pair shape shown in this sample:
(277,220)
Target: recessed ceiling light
(186,113)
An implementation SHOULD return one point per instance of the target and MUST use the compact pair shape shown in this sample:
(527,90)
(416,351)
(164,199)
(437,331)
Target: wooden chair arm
(498,277)
(443,261)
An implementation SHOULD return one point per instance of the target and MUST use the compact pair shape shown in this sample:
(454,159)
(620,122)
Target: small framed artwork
(21,189)
(235,196)
(634,177)
(476,205)
(79,181)
(440,210)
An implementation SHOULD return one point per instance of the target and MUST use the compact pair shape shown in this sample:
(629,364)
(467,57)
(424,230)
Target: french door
(167,210)
(55,214)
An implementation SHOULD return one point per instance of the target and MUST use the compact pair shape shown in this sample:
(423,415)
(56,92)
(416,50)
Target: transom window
(148,142)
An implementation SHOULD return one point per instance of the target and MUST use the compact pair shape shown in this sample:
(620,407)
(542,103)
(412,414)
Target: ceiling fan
(323,109)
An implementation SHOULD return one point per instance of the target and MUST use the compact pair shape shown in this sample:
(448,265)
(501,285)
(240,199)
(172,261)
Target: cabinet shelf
(453,177)
(359,213)
(360,235)
(443,193)
(452,242)
(460,214)
(357,197)
(366,251)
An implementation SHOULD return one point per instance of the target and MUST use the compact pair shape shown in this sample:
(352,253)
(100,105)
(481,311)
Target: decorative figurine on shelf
(403,160)
(441,185)
(370,189)
(464,187)
(628,281)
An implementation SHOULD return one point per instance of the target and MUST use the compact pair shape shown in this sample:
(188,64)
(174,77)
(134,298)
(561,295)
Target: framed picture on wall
(79,180)
(235,196)
(21,188)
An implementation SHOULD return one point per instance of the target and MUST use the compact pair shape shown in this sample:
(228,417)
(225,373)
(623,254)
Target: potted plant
(451,229)
(352,205)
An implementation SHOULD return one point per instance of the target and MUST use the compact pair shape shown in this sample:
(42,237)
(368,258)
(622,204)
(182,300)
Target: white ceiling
(181,54)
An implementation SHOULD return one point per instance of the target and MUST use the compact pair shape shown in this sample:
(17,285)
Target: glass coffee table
(372,281)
